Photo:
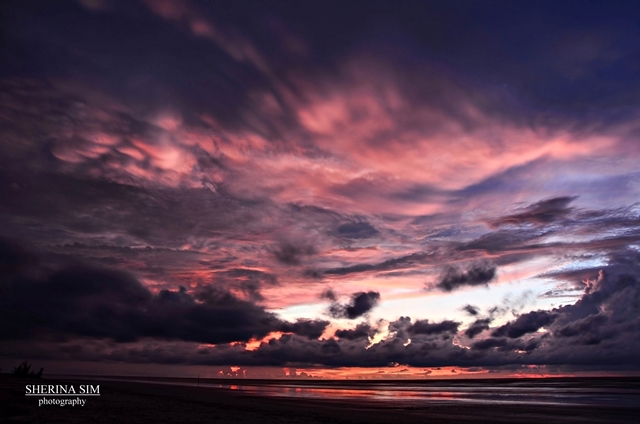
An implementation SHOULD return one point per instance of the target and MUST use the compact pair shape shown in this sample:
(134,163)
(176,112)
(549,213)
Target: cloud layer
(192,176)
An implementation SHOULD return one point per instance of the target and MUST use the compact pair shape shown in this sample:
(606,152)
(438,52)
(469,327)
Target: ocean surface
(602,392)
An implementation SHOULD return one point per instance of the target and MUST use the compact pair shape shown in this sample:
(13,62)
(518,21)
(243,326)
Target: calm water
(604,392)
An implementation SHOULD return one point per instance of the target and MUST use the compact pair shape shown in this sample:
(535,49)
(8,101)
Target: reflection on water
(607,392)
(403,395)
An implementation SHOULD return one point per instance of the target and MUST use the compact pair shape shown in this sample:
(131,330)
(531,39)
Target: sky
(324,186)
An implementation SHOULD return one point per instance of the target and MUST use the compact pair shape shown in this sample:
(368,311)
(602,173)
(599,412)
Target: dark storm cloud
(401,328)
(607,313)
(112,304)
(610,341)
(509,305)
(428,328)
(360,331)
(585,330)
(525,323)
(489,343)
(505,345)
(543,212)
(604,322)
(360,304)
(477,327)
(312,329)
(477,274)
(99,303)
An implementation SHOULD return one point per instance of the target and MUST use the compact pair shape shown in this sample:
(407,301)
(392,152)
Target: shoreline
(142,402)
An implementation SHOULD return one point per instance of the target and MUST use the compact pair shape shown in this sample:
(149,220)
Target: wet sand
(132,402)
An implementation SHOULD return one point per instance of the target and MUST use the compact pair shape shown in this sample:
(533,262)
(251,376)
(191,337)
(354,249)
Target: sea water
(603,392)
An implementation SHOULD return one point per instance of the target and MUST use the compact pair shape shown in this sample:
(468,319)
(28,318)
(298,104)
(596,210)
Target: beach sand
(132,402)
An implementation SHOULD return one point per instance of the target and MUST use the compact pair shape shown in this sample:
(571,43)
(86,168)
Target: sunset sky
(323,185)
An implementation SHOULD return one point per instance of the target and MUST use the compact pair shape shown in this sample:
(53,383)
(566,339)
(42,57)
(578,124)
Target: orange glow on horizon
(254,344)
